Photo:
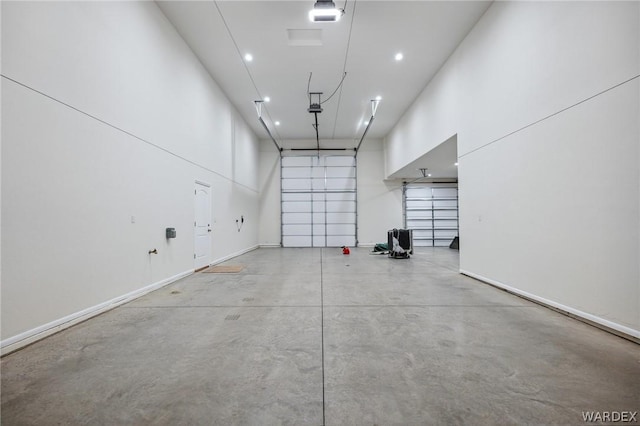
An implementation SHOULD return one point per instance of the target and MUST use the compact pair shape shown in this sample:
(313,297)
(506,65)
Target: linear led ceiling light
(325,11)
(374,107)
(258,105)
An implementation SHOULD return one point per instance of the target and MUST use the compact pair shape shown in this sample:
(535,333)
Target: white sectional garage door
(318,201)
(432,212)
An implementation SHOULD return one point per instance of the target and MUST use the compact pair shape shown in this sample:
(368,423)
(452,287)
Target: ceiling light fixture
(258,105)
(325,11)
(455,164)
(267,99)
(277,123)
(374,107)
(399,56)
(248,57)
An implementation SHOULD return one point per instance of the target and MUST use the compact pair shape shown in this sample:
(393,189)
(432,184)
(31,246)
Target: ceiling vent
(305,37)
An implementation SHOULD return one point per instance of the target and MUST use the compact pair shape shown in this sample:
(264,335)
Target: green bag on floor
(380,247)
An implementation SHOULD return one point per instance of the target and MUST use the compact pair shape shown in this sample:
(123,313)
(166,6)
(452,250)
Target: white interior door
(202,224)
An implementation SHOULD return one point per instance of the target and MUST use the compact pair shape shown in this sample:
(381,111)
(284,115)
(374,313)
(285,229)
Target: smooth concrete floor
(310,336)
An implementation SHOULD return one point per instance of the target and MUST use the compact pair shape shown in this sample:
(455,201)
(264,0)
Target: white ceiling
(362,44)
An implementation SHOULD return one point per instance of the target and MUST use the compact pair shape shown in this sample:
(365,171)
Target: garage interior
(146,142)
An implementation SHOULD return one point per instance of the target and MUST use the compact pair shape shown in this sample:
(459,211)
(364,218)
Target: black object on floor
(455,244)
(400,242)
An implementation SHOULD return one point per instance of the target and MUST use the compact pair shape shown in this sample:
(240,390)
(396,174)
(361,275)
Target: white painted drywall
(379,201)
(269,178)
(547,115)
(431,120)
(108,121)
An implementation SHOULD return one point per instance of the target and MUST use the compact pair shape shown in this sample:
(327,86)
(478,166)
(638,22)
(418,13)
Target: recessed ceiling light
(429,175)
(248,57)
(455,164)
(267,99)
(366,123)
(277,123)
(399,56)
(378,98)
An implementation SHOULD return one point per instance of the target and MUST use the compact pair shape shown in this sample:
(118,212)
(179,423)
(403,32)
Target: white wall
(107,115)
(547,115)
(430,121)
(269,178)
(379,201)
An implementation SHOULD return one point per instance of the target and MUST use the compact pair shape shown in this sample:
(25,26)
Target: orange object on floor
(345,250)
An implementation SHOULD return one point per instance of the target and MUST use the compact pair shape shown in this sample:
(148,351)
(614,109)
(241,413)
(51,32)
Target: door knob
(154,251)
(208,230)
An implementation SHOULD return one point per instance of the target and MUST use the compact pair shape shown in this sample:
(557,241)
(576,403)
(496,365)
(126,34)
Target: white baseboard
(26,338)
(615,328)
(232,255)
(270,245)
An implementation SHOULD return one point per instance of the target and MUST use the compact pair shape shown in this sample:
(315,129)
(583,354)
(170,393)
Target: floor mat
(224,269)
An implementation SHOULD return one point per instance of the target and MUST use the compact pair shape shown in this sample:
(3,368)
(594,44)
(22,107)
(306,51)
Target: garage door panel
(317,172)
(296,185)
(445,214)
(341,185)
(319,229)
(339,229)
(418,192)
(317,184)
(319,217)
(296,241)
(340,160)
(445,204)
(296,172)
(340,172)
(340,218)
(445,192)
(341,206)
(449,224)
(296,207)
(296,196)
(319,241)
(419,224)
(296,218)
(417,203)
(296,161)
(340,196)
(419,215)
(300,229)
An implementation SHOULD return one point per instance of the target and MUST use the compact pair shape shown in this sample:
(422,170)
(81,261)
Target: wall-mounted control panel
(171,233)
